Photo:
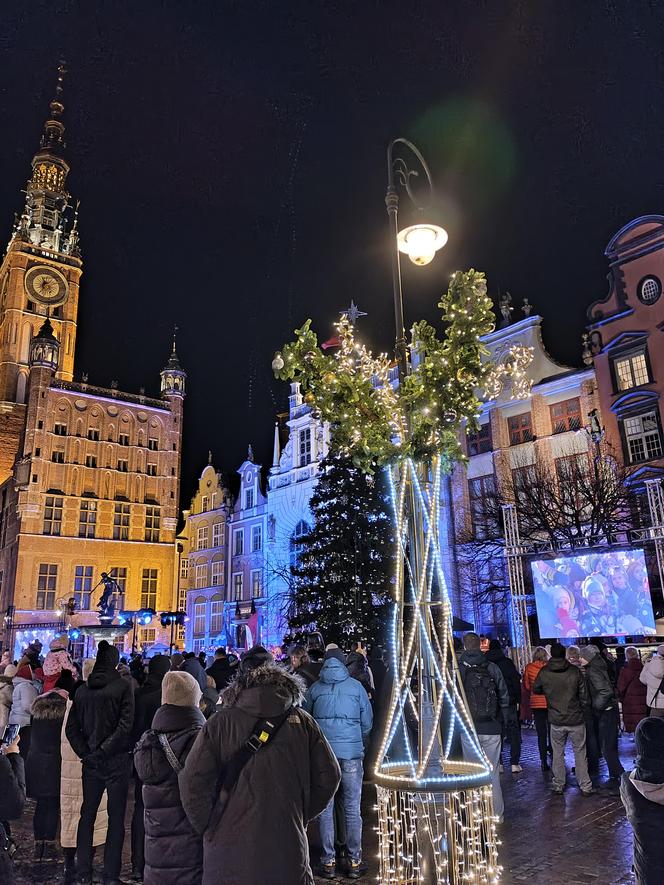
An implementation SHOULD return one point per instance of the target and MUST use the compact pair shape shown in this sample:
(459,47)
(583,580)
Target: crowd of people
(186,733)
(192,734)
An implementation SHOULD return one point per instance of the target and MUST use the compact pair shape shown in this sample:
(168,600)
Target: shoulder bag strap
(173,760)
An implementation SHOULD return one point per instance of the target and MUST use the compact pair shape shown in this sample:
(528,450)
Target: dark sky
(230,162)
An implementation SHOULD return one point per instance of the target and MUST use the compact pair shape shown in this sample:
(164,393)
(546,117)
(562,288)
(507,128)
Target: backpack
(481,692)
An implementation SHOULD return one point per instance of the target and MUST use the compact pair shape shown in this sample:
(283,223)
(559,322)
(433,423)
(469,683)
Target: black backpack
(481,692)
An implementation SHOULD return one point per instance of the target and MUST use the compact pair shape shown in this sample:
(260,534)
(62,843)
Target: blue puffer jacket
(340,705)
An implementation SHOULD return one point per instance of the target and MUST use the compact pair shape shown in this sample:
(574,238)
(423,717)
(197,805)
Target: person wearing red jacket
(538,703)
(631,691)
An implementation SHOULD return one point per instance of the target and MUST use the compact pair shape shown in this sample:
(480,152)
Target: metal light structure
(435,810)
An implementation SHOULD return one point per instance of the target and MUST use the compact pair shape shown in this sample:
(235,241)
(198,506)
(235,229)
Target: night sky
(230,162)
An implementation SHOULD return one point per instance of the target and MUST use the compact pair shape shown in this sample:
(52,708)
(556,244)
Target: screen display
(594,594)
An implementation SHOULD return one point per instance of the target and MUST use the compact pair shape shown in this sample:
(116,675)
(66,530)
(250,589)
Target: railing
(111,393)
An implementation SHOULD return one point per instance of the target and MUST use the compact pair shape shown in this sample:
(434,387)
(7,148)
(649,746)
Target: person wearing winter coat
(604,703)
(56,661)
(652,677)
(6,694)
(42,770)
(192,665)
(173,849)
(26,690)
(12,802)
(250,840)
(220,669)
(340,705)
(631,691)
(538,704)
(511,726)
(566,695)
(209,698)
(71,795)
(99,729)
(642,794)
(358,667)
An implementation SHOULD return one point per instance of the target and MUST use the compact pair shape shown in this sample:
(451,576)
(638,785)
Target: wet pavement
(546,839)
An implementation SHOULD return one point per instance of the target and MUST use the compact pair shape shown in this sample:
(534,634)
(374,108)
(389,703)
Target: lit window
(239,542)
(256,538)
(205,502)
(149,588)
(218,534)
(87,519)
(238,580)
(148,635)
(216,615)
(46,586)
(217,574)
(643,437)
(566,415)
(201,576)
(631,371)
(184,568)
(202,537)
(520,428)
(304,449)
(199,615)
(256,583)
(83,587)
(121,522)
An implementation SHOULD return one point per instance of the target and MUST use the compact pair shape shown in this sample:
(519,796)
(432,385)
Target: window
(239,542)
(218,534)
(93,433)
(520,428)
(90,460)
(526,486)
(199,615)
(46,585)
(201,576)
(202,537)
(83,587)
(148,635)
(480,442)
(60,429)
(256,538)
(631,371)
(53,516)
(151,469)
(198,646)
(121,522)
(649,290)
(152,523)
(153,444)
(149,588)
(123,465)
(217,574)
(123,439)
(304,448)
(643,437)
(484,506)
(184,568)
(566,415)
(87,519)
(205,504)
(58,457)
(216,615)
(120,577)
(256,583)
(248,499)
(237,586)
(301,529)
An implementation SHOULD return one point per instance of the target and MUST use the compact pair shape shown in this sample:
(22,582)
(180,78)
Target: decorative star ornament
(353,313)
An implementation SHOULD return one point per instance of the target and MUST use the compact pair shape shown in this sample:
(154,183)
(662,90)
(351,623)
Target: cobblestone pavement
(546,839)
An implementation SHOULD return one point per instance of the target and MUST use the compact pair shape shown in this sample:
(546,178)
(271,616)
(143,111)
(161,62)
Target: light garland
(511,370)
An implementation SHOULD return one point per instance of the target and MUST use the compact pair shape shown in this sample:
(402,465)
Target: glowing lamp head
(420,242)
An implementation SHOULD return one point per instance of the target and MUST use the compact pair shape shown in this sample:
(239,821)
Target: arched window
(301,529)
(199,616)
(21,385)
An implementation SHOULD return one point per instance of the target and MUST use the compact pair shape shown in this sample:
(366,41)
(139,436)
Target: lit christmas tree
(341,580)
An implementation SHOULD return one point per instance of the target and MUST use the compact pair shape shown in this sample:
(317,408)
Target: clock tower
(41,269)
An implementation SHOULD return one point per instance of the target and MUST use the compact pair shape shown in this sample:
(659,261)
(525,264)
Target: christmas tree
(341,579)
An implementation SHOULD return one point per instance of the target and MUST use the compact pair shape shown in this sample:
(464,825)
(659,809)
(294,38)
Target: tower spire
(52,139)
(276,452)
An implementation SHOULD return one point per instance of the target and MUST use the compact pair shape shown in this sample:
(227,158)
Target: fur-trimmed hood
(265,691)
(49,706)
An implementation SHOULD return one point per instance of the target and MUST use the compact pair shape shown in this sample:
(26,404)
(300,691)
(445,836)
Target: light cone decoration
(435,812)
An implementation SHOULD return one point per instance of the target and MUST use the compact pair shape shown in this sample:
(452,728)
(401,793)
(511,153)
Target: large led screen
(594,594)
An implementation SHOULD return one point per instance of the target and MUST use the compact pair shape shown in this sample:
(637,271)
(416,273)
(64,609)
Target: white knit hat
(180,689)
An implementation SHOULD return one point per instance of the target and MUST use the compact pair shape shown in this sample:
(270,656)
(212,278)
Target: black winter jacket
(357,666)
(644,806)
(261,836)
(220,671)
(12,801)
(510,673)
(565,691)
(147,700)
(100,723)
(602,691)
(42,767)
(173,851)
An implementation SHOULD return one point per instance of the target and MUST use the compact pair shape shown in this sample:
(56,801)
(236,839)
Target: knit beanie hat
(649,744)
(159,665)
(255,657)
(180,689)
(588,652)
(10,671)
(557,651)
(333,651)
(108,657)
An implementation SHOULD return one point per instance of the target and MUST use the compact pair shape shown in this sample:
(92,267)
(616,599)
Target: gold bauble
(329,378)
(309,398)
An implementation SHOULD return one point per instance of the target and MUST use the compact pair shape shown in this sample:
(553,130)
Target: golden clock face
(46,285)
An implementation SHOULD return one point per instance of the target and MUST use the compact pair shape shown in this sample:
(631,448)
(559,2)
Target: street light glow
(421,242)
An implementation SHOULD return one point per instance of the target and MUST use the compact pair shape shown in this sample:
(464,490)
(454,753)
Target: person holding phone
(12,797)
